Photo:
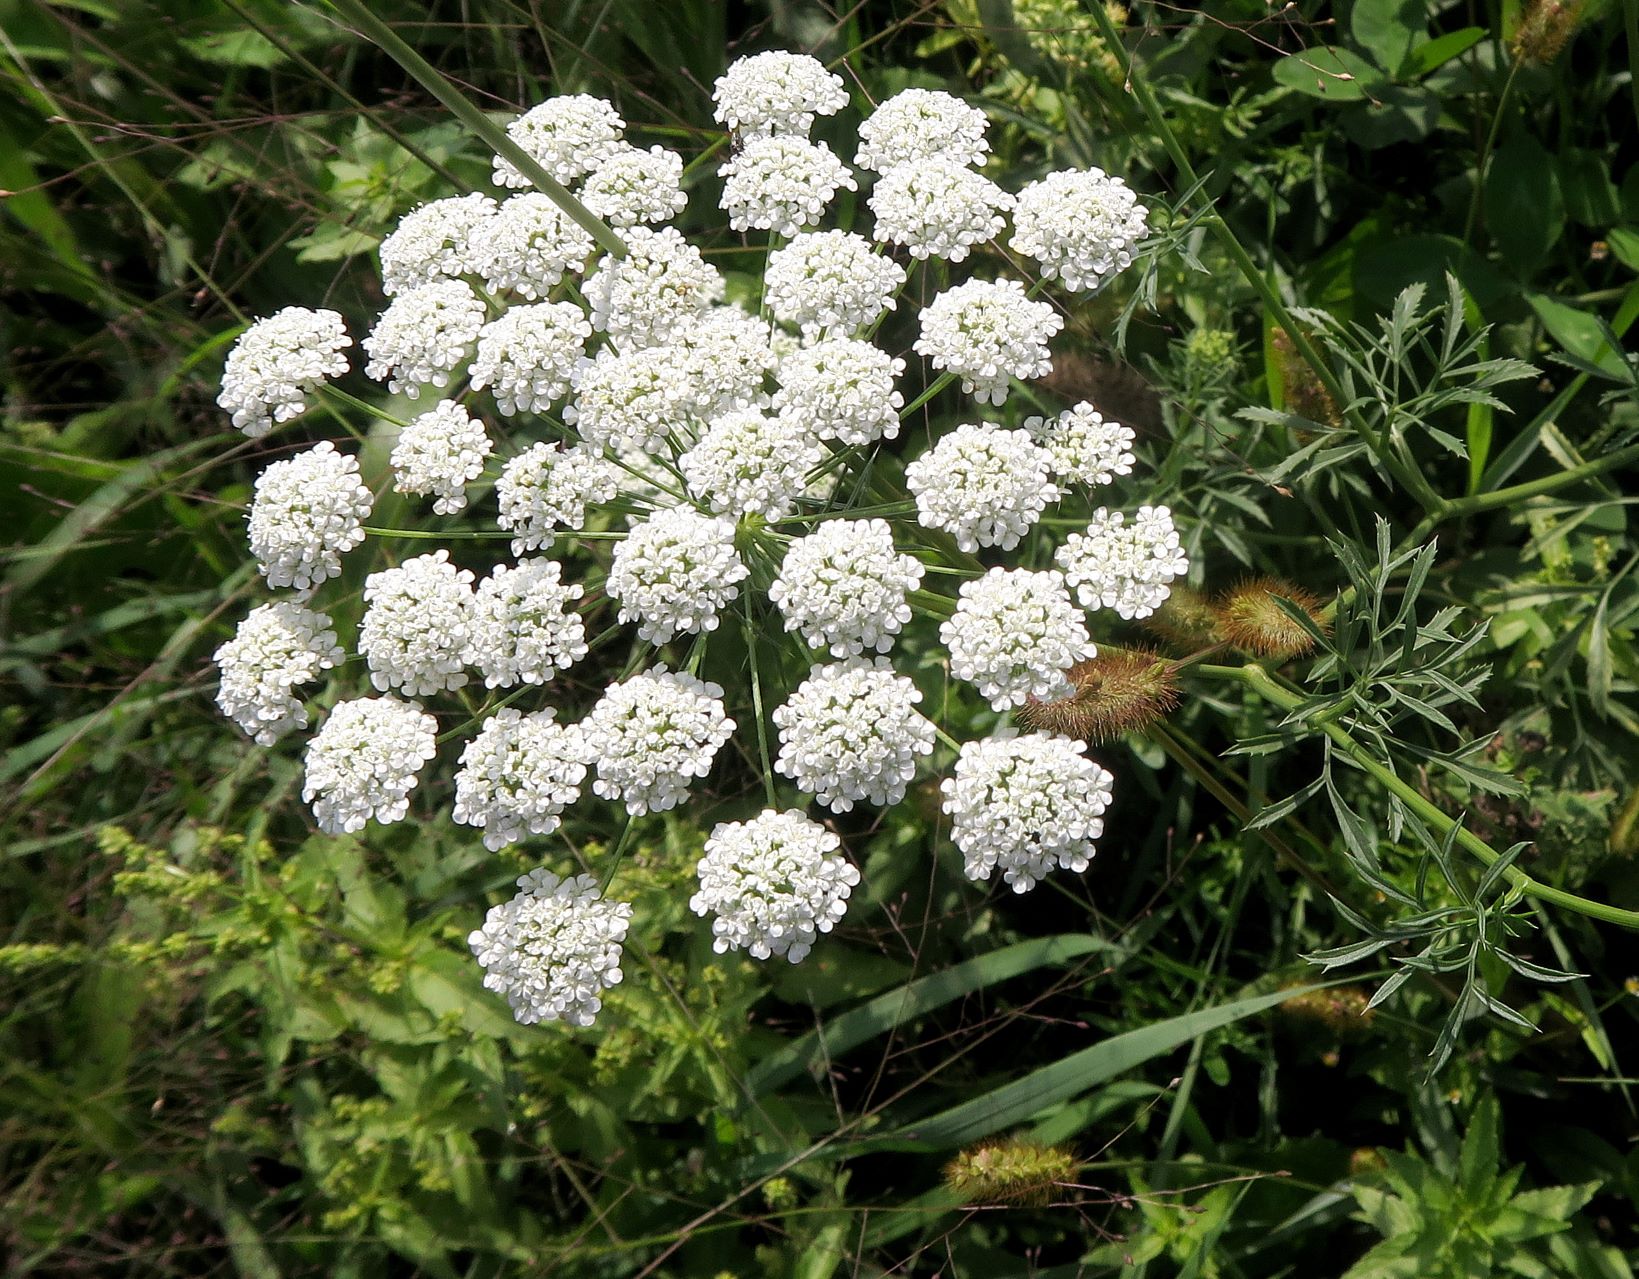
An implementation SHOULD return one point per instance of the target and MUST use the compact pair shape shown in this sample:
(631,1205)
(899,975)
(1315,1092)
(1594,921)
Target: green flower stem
(626,832)
(332,392)
(1477,502)
(938,384)
(1408,477)
(946,738)
(757,708)
(1263,684)
(386,39)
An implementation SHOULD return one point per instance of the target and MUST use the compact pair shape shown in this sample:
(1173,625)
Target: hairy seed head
(1251,620)
(1119,691)
(1010,1171)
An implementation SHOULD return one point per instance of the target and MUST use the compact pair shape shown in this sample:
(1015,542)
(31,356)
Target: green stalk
(1259,681)
(384,38)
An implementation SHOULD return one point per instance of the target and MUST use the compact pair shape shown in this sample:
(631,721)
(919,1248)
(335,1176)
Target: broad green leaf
(1442,49)
(1328,72)
(1387,29)
(1575,330)
(1523,208)
(1590,195)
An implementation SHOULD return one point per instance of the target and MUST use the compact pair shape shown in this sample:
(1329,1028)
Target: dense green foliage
(1375,357)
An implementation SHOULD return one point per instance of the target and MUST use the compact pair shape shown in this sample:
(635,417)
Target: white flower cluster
(1080,225)
(987,331)
(1127,567)
(633,186)
(774,884)
(825,280)
(937,209)
(844,587)
(276,362)
(1014,635)
(278,648)
(851,733)
(424,335)
(673,572)
(553,949)
(720,362)
(546,487)
(440,453)
(434,242)
(363,762)
(776,93)
(653,736)
(416,635)
(842,389)
(308,510)
(529,245)
(1085,448)
(918,125)
(568,137)
(660,285)
(750,463)
(982,485)
(529,356)
(524,629)
(1027,805)
(518,775)
(781,184)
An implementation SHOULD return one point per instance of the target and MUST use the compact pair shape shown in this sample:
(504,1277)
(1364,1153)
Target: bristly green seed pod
(1119,691)
(1011,1171)
(1187,619)
(1545,27)
(1251,620)
(1305,395)
(1343,1010)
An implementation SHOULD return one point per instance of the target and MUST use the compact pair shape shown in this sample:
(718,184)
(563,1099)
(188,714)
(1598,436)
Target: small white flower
(749,463)
(433,242)
(524,625)
(423,336)
(937,209)
(851,733)
(982,485)
(553,949)
(517,776)
(723,358)
(1027,805)
(567,136)
(781,184)
(660,285)
(633,185)
(1081,225)
(276,362)
(825,280)
(278,648)
(776,92)
(1014,635)
(529,245)
(842,389)
(774,884)
(307,511)
(917,125)
(529,355)
(844,586)
(417,627)
(440,452)
(1085,447)
(363,762)
(546,487)
(673,572)
(653,736)
(629,399)
(987,331)
(1127,567)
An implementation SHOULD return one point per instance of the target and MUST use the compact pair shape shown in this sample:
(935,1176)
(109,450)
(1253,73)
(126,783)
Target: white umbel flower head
(1127,567)
(773,884)
(417,627)
(1014,635)
(851,733)
(987,331)
(1027,805)
(660,285)
(652,736)
(546,487)
(433,242)
(363,762)
(633,186)
(776,92)
(673,571)
(917,125)
(517,776)
(423,335)
(525,629)
(629,399)
(844,587)
(1080,225)
(749,463)
(781,184)
(440,453)
(278,648)
(529,355)
(276,362)
(937,209)
(567,136)
(724,358)
(842,389)
(830,280)
(1085,448)
(529,245)
(307,511)
(553,949)
(982,485)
